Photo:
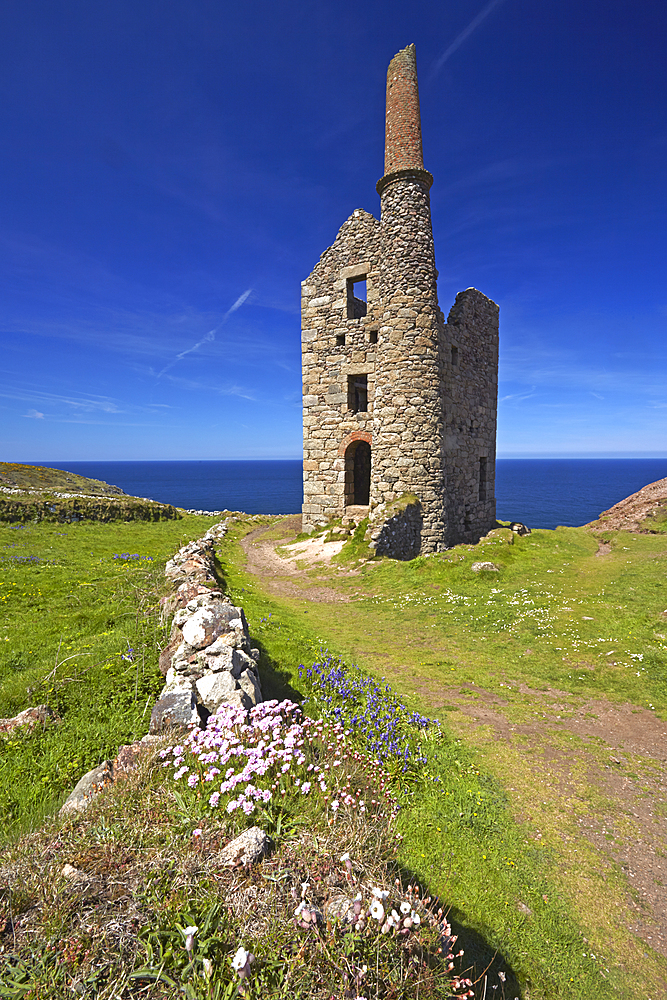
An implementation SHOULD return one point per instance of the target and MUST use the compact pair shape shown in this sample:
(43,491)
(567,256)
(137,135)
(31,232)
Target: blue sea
(541,493)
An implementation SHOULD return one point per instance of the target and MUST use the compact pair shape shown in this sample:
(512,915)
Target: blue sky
(171,171)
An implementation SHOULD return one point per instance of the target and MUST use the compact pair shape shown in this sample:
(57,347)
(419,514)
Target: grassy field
(541,674)
(80,631)
(530,669)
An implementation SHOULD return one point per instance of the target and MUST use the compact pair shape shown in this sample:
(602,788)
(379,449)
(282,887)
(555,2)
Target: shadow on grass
(480,959)
(275,680)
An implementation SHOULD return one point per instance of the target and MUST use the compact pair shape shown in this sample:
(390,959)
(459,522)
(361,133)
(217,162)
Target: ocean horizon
(540,492)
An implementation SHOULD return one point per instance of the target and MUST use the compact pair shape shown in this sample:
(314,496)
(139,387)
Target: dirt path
(608,786)
(287,575)
(595,773)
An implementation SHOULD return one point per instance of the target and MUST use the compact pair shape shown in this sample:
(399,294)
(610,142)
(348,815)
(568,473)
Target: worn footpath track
(589,776)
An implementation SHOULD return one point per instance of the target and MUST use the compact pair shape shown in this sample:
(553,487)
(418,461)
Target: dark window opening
(356,298)
(482,479)
(373,337)
(358,474)
(357,393)
(340,340)
(455,355)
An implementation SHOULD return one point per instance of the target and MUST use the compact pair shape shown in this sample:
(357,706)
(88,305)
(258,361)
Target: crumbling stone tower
(396,400)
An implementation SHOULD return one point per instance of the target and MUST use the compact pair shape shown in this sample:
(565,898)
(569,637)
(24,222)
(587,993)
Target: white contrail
(460,39)
(211,333)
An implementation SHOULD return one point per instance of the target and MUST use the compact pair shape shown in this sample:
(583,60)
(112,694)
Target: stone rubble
(395,529)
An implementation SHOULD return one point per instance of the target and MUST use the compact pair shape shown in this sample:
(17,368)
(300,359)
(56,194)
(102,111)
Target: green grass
(545,623)
(497,837)
(69,614)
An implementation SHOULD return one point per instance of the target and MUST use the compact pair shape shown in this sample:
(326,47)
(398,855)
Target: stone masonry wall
(430,420)
(328,362)
(470,413)
(408,414)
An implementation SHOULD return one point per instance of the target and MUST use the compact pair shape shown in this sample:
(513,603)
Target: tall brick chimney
(408,419)
(403,130)
(397,403)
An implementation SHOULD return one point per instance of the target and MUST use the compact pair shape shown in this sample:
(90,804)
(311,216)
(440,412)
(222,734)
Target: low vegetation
(31,493)
(80,631)
(453,819)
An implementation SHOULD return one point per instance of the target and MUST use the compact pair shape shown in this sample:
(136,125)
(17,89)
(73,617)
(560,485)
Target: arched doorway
(358,474)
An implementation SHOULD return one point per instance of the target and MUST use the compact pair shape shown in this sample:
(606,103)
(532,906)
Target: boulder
(91,783)
(247,849)
(489,567)
(175,708)
(27,719)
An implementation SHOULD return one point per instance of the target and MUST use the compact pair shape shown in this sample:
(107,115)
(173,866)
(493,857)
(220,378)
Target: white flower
(241,959)
(190,934)
(377,910)
(208,967)
(415,918)
(380,893)
(345,857)
(405,907)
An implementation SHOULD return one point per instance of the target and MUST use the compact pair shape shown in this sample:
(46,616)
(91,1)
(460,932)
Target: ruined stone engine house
(396,401)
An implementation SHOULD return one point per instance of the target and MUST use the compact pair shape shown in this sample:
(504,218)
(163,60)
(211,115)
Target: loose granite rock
(488,567)
(91,783)
(247,849)
(27,720)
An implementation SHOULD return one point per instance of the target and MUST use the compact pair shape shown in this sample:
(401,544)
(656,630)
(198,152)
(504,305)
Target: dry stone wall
(208,661)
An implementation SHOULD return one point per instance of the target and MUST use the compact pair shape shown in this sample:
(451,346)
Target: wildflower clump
(266,759)
(372,714)
(376,939)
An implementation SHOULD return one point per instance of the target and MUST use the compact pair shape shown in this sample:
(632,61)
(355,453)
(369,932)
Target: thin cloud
(466,33)
(34,415)
(518,396)
(210,336)
(225,390)
(88,404)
